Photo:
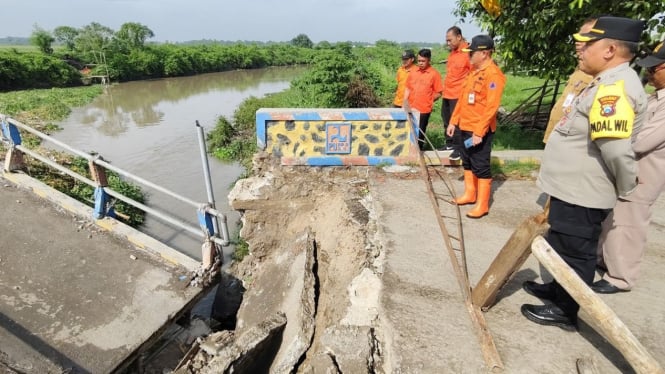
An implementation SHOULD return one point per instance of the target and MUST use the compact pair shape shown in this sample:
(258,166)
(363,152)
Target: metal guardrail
(209,228)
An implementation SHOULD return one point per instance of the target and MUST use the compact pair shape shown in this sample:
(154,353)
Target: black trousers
(574,232)
(447,109)
(423,121)
(477,158)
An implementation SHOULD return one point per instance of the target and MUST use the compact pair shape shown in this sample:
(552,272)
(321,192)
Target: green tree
(94,39)
(302,41)
(66,35)
(133,35)
(324,44)
(534,36)
(42,39)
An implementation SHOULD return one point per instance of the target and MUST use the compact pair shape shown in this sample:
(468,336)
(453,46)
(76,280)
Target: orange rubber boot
(470,185)
(483,205)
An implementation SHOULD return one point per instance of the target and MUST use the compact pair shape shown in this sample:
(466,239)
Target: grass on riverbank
(514,170)
(38,108)
(518,88)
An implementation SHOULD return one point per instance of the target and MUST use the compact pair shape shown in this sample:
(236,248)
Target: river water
(148,129)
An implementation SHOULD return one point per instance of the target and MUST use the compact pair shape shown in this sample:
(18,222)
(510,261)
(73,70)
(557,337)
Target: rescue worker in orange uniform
(457,68)
(408,57)
(475,115)
(423,89)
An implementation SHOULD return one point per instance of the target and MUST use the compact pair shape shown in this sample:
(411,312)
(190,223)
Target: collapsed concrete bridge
(346,273)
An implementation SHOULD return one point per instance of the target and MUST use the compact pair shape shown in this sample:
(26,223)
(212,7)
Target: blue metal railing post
(102,206)
(101,199)
(14,157)
(10,132)
(205,221)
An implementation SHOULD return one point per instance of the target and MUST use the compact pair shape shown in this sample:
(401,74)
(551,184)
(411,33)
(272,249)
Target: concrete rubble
(294,275)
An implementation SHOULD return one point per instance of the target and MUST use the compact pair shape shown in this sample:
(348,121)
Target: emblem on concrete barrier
(338,138)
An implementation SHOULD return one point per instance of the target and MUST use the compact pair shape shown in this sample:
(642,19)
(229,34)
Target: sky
(250,20)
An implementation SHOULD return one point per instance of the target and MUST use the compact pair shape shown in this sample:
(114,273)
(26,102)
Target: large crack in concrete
(314,256)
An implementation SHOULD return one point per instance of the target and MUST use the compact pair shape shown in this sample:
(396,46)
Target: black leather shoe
(603,286)
(543,291)
(454,155)
(550,315)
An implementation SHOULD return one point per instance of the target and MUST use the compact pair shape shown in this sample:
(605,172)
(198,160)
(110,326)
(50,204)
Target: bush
(221,135)
(35,70)
(326,84)
(361,95)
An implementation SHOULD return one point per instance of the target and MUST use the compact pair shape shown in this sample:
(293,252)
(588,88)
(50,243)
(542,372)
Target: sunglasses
(652,70)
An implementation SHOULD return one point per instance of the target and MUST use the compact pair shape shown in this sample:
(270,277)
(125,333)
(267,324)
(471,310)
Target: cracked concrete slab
(74,296)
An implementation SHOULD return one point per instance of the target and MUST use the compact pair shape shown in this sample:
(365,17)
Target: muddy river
(148,129)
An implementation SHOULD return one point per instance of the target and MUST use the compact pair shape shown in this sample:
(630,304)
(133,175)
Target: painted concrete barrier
(323,137)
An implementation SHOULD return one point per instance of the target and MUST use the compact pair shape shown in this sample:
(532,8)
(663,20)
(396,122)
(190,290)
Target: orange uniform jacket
(423,85)
(457,68)
(402,75)
(479,100)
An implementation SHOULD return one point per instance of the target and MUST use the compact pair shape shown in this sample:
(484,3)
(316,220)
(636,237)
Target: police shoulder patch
(611,114)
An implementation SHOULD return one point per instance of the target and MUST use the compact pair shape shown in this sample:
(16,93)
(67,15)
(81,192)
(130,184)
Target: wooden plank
(487,346)
(98,173)
(14,160)
(586,365)
(510,259)
(614,330)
